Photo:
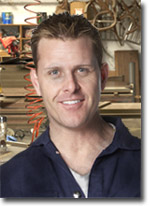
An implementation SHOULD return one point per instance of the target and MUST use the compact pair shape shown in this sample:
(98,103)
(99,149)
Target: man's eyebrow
(84,65)
(90,66)
(51,67)
(56,66)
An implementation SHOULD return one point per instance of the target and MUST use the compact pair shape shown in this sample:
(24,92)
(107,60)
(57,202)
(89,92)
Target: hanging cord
(34,104)
(28,19)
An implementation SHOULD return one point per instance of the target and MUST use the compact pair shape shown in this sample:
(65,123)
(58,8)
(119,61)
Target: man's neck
(80,147)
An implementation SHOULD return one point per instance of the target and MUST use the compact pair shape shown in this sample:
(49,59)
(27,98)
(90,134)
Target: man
(81,154)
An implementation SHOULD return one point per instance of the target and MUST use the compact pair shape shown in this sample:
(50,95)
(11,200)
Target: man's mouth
(71,102)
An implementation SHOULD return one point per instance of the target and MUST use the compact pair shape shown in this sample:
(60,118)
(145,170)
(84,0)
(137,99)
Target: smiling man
(81,154)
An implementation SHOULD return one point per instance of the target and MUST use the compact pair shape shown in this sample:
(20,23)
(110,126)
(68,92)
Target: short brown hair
(64,26)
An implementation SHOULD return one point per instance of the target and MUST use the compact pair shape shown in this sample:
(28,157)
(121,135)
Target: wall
(20,14)
(112,46)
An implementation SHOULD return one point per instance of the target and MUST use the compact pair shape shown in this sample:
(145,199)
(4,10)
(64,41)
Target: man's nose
(71,84)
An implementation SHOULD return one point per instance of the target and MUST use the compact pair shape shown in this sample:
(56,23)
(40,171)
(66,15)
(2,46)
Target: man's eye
(54,72)
(83,71)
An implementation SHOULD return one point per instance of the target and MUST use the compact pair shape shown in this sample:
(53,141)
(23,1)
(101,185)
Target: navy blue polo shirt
(40,171)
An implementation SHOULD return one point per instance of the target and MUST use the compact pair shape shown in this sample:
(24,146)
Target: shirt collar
(122,138)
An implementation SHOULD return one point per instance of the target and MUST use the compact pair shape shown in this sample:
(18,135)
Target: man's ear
(35,81)
(104,75)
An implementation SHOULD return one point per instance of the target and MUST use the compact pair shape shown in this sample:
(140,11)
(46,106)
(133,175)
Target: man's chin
(75,125)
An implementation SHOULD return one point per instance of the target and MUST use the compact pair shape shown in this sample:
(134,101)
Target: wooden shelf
(25,38)
(124,110)
(21,31)
(16,25)
(4,54)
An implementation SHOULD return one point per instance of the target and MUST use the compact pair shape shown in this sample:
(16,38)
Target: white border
(146,142)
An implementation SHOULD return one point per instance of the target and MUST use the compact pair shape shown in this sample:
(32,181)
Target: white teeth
(71,102)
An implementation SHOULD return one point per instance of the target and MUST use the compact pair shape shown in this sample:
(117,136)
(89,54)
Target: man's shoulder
(23,171)
(123,132)
(19,160)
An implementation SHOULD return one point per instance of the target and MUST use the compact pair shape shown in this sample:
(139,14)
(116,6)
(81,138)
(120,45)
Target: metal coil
(36,117)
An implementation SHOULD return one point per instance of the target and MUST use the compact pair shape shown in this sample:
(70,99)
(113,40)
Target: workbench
(123,110)
(13,148)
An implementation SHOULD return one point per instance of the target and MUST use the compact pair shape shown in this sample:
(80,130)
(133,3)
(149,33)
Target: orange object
(35,117)
(7,41)
(11,43)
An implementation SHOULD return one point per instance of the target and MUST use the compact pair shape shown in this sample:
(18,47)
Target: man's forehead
(59,52)
(66,39)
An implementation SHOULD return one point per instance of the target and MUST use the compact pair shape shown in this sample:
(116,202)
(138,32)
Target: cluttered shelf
(22,33)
